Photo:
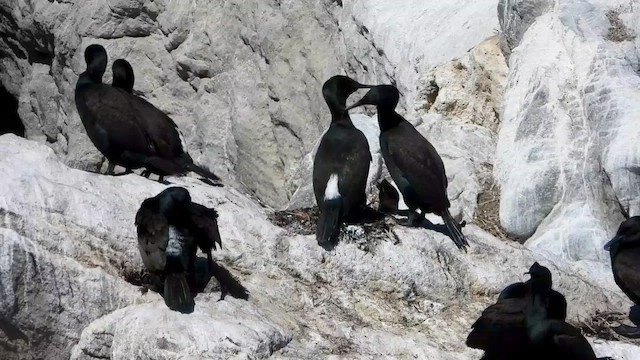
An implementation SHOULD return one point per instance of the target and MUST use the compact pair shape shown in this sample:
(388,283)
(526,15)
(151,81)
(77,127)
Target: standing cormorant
(500,331)
(624,249)
(170,230)
(414,164)
(127,129)
(341,164)
(552,338)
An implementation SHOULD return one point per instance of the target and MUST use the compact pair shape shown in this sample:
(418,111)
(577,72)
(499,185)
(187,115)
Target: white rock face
(414,298)
(568,117)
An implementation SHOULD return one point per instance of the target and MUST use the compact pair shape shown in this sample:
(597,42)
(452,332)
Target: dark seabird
(552,338)
(388,197)
(123,76)
(624,249)
(170,230)
(341,164)
(127,129)
(414,164)
(500,331)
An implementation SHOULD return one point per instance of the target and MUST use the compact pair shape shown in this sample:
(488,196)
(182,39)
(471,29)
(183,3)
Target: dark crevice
(9,120)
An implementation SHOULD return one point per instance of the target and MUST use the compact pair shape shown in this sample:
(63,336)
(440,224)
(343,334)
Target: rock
(567,152)
(242,81)
(468,89)
(419,295)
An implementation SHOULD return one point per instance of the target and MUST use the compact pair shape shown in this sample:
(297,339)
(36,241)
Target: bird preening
(171,228)
(528,322)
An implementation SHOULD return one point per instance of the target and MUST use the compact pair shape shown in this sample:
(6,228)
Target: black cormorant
(341,164)
(414,164)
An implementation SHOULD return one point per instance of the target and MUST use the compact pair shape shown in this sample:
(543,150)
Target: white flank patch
(182,142)
(332,192)
(176,242)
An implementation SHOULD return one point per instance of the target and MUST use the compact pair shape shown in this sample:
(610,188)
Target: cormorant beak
(369,98)
(527,273)
(610,243)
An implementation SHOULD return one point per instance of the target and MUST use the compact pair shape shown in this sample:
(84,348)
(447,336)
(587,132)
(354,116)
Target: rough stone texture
(417,297)
(569,119)
(468,89)
(242,80)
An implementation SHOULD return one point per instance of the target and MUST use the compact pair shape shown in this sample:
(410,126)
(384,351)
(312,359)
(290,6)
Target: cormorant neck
(388,118)
(87,78)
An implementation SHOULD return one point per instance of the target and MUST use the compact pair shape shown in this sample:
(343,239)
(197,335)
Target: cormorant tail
(177,294)
(228,283)
(328,228)
(454,230)
(215,180)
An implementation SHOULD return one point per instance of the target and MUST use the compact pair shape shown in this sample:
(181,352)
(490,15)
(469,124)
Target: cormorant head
(540,275)
(628,233)
(337,89)
(388,197)
(123,75)
(173,199)
(96,58)
(383,96)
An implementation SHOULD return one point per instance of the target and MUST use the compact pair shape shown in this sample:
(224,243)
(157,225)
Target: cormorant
(414,164)
(127,129)
(341,164)
(170,229)
(500,331)
(624,249)
(552,338)
(388,197)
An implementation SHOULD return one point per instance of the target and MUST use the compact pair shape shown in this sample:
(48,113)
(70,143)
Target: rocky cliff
(530,104)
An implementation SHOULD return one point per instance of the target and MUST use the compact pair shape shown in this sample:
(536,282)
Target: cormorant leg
(414,219)
(110,168)
(146,173)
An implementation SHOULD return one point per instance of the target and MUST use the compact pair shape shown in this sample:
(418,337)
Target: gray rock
(73,231)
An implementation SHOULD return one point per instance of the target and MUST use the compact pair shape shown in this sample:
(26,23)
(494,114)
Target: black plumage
(170,230)
(414,164)
(388,197)
(123,76)
(127,129)
(552,338)
(341,164)
(624,249)
(500,331)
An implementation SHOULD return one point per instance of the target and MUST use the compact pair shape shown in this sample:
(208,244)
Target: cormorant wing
(501,324)
(153,238)
(626,271)
(419,163)
(116,127)
(570,341)
(515,290)
(162,130)
(204,226)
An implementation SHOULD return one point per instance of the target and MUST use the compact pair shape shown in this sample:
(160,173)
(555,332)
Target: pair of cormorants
(528,322)
(170,230)
(624,249)
(128,130)
(341,164)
